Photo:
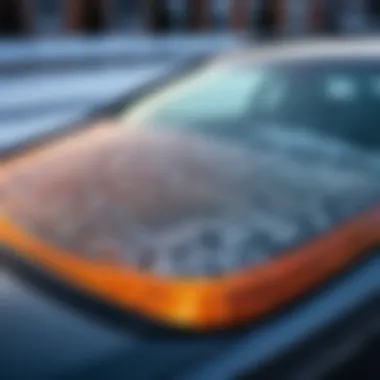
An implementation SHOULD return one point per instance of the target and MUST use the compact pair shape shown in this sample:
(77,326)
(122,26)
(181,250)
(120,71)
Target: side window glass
(374,86)
(274,93)
(269,99)
(340,88)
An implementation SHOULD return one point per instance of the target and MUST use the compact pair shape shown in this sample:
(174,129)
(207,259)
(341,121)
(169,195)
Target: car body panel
(52,335)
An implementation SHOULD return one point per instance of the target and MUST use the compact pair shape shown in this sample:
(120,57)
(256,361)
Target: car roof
(361,48)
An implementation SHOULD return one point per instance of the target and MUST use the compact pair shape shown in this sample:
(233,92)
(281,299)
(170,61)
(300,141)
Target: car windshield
(338,99)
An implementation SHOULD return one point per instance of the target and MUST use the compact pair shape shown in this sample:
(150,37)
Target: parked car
(224,224)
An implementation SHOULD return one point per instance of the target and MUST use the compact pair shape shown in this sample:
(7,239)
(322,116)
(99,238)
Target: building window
(48,7)
(94,19)
(178,13)
(127,15)
(49,16)
(11,18)
(161,16)
(220,13)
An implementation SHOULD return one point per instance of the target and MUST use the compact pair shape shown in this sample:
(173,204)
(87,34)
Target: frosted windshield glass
(209,94)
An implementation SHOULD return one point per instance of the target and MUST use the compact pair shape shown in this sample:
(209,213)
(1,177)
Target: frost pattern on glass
(177,204)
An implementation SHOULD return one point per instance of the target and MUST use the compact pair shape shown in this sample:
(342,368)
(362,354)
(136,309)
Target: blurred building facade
(47,17)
